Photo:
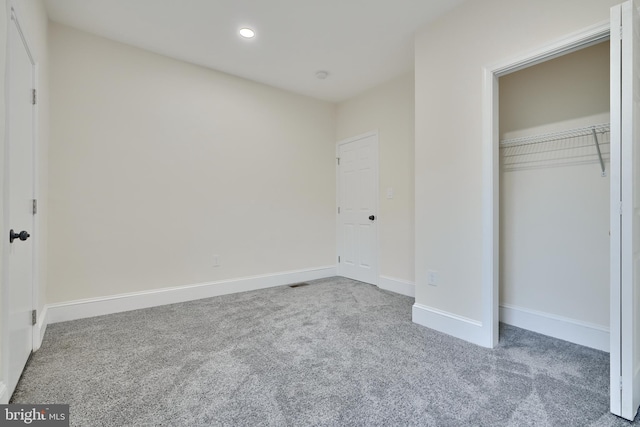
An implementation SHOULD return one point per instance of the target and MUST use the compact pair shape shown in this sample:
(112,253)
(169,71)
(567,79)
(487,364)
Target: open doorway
(554,197)
(491,162)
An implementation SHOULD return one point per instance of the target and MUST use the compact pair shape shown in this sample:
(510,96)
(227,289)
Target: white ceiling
(361,43)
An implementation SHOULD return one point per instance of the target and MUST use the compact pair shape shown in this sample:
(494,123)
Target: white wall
(157,165)
(389,108)
(554,221)
(564,93)
(450,56)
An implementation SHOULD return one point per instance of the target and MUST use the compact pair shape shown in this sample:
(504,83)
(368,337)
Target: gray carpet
(334,353)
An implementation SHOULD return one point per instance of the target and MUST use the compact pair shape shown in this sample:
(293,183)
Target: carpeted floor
(333,353)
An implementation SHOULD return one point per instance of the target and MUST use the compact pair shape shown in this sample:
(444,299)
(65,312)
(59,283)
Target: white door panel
(358,189)
(20,165)
(625,209)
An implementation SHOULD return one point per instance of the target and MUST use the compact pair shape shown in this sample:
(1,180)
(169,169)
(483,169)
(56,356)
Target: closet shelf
(556,136)
(570,147)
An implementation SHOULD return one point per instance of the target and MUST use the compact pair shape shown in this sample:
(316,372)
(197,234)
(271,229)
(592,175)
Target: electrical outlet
(433,278)
(216,260)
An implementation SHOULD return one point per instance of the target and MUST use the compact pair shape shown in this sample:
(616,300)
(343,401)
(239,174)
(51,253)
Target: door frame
(491,165)
(373,133)
(14,16)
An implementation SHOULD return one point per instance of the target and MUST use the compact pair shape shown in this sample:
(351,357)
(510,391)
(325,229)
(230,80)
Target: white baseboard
(4,394)
(449,323)
(40,328)
(398,286)
(80,309)
(571,330)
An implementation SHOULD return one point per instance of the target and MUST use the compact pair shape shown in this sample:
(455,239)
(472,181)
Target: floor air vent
(297,285)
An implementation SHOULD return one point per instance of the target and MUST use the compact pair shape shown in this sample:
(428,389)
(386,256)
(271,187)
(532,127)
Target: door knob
(372,217)
(23,235)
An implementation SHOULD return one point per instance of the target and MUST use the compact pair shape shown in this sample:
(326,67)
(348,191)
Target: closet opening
(554,196)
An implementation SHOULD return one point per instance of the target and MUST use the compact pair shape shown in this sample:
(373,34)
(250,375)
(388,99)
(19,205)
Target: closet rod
(595,139)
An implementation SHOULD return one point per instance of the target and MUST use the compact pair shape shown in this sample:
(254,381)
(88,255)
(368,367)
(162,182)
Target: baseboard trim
(575,331)
(40,328)
(80,309)
(449,323)
(398,286)
(4,394)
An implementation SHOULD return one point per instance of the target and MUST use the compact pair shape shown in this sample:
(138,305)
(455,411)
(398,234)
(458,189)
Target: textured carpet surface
(334,353)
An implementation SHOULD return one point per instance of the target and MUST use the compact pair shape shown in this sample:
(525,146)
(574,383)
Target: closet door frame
(491,165)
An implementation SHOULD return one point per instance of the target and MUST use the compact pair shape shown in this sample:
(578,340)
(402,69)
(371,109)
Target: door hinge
(338,209)
(338,259)
(34,317)
(338,159)
(620,208)
(620,383)
(621,32)
(34,98)
(35,207)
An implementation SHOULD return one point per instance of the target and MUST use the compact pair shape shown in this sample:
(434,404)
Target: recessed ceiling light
(322,74)
(247,33)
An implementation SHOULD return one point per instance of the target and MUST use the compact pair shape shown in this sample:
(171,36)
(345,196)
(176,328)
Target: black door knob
(23,235)
(372,217)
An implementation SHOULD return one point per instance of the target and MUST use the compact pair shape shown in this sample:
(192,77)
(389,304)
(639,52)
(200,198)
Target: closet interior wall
(554,218)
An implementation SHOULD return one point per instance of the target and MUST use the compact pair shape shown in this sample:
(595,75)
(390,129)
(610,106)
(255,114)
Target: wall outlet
(433,278)
(216,260)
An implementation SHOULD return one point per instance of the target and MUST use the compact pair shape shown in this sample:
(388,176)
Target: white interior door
(20,165)
(625,209)
(357,208)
